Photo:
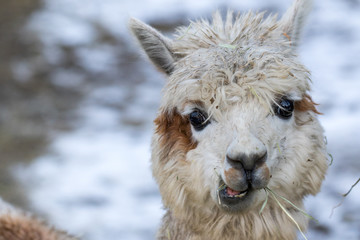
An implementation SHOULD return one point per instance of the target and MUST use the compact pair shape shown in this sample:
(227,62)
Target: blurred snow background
(91,175)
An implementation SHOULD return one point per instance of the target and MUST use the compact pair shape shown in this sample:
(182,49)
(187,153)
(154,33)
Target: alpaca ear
(293,20)
(156,46)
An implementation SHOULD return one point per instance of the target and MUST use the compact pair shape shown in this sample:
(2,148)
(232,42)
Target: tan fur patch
(175,133)
(27,228)
(306,104)
(233,175)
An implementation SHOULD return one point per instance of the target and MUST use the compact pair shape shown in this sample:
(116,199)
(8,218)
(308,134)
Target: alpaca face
(241,141)
(236,116)
(237,132)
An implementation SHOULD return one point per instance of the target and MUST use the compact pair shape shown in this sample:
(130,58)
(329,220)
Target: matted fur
(236,70)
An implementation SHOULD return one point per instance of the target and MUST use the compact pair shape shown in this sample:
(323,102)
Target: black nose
(246,162)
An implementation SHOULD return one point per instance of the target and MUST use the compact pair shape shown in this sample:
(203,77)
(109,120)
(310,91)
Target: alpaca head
(236,115)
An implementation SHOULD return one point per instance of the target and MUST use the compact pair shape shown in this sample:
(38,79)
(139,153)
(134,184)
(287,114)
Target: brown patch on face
(175,134)
(233,175)
(236,179)
(306,104)
(261,176)
(27,228)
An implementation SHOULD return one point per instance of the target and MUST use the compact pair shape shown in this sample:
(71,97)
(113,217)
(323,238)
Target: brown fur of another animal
(21,227)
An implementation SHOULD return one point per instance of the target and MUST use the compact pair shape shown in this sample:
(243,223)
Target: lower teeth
(241,194)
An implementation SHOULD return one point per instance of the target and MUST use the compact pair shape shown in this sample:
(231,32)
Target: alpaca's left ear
(156,46)
(293,20)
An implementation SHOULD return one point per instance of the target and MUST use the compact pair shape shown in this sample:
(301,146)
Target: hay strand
(186,32)
(278,147)
(344,195)
(296,207)
(227,46)
(168,233)
(331,159)
(343,198)
(265,202)
(287,213)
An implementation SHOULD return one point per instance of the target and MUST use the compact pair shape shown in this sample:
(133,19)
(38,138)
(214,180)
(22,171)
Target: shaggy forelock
(223,62)
(243,30)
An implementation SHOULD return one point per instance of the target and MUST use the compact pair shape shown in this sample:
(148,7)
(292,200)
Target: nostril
(260,158)
(234,162)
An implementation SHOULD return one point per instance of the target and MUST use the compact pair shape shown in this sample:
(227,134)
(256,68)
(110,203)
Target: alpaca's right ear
(294,19)
(156,46)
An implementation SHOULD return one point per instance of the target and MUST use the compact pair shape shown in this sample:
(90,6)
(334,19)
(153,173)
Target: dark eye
(198,120)
(285,108)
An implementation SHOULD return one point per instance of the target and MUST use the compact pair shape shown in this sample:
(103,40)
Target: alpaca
(236,127)
(17,225)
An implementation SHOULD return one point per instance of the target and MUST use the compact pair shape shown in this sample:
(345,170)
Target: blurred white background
(78,99)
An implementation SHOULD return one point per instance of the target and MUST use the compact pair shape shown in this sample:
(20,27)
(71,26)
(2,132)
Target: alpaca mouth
(227,192)
(231,200)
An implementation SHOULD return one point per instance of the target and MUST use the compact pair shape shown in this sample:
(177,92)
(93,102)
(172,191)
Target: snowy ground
(95,181)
